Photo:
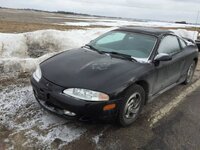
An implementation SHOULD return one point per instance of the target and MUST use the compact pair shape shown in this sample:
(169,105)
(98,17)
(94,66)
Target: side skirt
(152,97)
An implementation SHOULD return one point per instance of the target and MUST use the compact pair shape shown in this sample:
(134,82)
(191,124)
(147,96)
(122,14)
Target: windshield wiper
(128,57)
(93,48)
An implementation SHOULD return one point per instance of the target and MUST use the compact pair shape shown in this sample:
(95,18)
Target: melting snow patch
(96,138)
(117,23)
(22,114)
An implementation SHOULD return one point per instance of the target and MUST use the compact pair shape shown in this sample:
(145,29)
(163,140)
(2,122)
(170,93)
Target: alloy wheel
(190,72)
(132,106)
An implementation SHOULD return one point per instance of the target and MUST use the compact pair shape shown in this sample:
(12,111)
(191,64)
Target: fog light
(109,107)
(69,113)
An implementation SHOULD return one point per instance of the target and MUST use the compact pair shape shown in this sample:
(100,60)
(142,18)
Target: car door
(168,72)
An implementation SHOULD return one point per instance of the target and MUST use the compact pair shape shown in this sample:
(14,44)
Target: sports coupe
(115,75)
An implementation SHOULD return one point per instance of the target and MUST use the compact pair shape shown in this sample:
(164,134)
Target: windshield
(136,45)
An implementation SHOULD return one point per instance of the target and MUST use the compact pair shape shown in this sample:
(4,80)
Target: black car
(115,75)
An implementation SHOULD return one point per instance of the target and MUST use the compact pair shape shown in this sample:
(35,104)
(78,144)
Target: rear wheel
(132,105)
(190,73)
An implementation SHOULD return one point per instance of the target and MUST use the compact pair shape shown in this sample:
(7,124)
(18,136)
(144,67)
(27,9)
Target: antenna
(198,13)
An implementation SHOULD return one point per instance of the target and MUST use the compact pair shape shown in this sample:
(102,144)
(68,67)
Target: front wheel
(132,105)
(190,73)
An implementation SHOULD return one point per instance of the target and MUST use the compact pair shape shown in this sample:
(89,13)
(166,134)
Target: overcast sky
(167,10)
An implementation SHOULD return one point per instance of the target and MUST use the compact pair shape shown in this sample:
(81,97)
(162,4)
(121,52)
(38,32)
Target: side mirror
(162,57)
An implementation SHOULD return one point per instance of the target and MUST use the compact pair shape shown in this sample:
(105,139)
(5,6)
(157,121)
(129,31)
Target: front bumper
(50,97)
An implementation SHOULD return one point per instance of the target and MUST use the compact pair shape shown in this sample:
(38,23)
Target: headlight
(86,94)
(37,75)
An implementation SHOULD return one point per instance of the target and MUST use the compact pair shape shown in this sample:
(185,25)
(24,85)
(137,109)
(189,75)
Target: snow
(21,113)
(19,45)
(118,23)
(97,137)
(187,34)
(99,23)
(164,24)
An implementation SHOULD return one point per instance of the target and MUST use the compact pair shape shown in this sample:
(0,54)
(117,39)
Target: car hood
(82,68)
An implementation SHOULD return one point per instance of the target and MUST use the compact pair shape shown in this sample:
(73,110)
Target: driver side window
(169,45)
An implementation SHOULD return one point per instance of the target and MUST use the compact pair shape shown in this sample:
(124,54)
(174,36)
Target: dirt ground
(18,27)
(17,21)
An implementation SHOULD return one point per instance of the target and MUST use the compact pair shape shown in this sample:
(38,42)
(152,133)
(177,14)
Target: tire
(132,105)
(190,73)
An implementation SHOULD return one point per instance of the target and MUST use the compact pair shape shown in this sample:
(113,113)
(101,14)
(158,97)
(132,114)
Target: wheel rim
(132,106)
(190,72)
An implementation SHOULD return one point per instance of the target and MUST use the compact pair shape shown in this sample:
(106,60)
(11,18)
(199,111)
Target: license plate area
(41,94)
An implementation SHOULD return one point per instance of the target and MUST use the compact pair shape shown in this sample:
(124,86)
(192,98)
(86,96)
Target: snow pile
(21,53)
(38,43)
(186,34)
(17,66)
(21,114)
(12,45)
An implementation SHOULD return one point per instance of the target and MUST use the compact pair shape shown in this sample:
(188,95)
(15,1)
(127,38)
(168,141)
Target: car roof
(145,30)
